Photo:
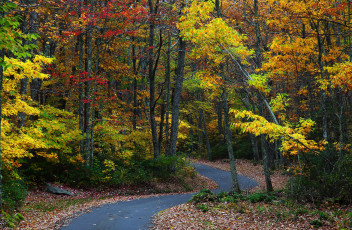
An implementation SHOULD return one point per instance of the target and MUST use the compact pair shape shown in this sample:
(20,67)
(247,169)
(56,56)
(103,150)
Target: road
(137,214)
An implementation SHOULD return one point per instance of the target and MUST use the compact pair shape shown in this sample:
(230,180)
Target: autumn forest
(107,93)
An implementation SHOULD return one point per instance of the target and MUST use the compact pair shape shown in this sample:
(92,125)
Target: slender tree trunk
(24,81)
(168,89)
(221,135)
(254,143)
(258,51)
(268,183)
(87,112)
(2,56)
(35,83)
(94,99)
(161,126)
(80,86)
(322,74)
(152,102)
(235,184)
(135,104)
(177,96)
(205,133)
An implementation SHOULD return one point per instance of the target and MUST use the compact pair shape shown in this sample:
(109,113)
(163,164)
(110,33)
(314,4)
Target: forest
(108,93)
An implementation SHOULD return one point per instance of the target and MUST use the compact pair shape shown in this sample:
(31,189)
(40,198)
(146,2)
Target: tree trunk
(200,135)
(2,55)
(254,143)
(258,51)
(95,107)
(80,90)
(135,103)
(177,96)
(202,120)
(168,89)
(152,102)
(24,81)
(235,185)
(161,126)
(221,135)
(87,112)
(35,83)
(269,186)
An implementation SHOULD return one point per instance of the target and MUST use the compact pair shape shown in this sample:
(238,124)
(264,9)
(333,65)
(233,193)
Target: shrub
(258,197)
(205,195)
(324,177)
(203,207)
(14,190)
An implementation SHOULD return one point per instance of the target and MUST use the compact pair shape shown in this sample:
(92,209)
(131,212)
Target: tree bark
(168,89)
(258,51)
(135,102)
(221,135)
(35,83)
(80,91)
(152,102)
(177,96)
(24,81)
(254,143)
(151,76)
(205,133)
(87,112)
(235,185)
(268,183)
(2,56)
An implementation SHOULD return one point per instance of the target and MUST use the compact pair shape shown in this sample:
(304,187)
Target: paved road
(137,214)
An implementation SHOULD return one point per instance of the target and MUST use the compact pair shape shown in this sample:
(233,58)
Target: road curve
(137,214)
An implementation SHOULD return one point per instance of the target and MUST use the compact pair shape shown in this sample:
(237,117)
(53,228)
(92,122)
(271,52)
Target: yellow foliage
(341,76)
(294,140)
(183,128)
(279,103)
(210,34)
(259,82)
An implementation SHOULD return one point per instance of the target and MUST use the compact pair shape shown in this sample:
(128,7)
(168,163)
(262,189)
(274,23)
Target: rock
(56,190)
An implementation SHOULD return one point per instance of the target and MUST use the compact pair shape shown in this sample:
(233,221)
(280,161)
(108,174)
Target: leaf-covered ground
(43,210)
(279,214)
(246,215)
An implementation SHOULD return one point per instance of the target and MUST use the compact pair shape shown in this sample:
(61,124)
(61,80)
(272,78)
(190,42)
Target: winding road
(137,214)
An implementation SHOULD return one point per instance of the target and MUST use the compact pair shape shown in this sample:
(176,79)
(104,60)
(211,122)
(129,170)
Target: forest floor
(43,210)
(246,214)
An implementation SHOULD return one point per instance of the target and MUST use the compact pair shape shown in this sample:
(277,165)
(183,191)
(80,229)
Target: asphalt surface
(137,214)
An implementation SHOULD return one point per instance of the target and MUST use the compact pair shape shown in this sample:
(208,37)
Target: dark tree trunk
(135,104)
(24,81)
(80,91)
(35,83)
(95,107)
(151,75)
(258,51)
(202,120)
(268,183)
(161,126)
(221,135)
(235,185)
(254,143)
(200,135)
(87,107)
(177,96)
(168,89)
(2,55)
